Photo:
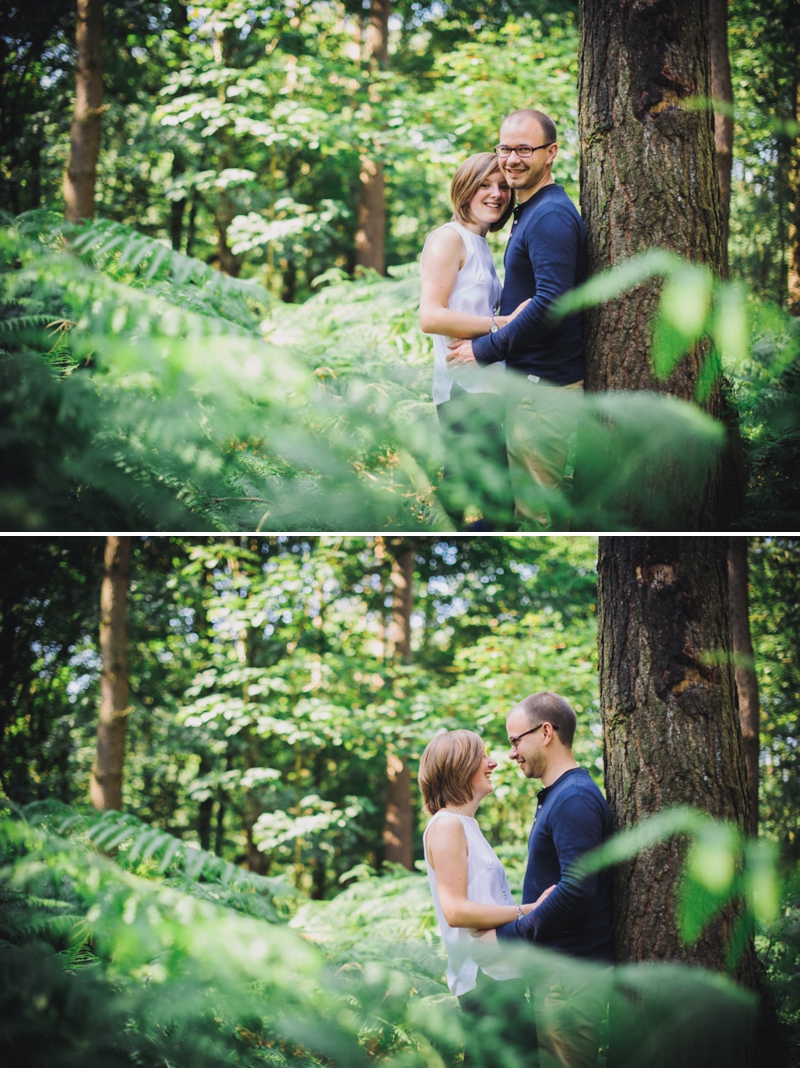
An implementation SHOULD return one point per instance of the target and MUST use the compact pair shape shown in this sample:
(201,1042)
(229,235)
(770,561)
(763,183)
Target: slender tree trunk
(191,228)
(745,671)
(722,89)
(398,828)
(671,732)
(177,207)
(794,218)
(106,781)
(81,172)
(205,809)
(228,262)
(219,829)
(371,233)
(257,861)
(648,179)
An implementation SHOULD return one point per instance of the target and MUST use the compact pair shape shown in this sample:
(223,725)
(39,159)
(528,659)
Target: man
(572,818)
(545,257)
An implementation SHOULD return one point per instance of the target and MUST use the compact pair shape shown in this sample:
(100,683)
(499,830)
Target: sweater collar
(521,208)
(545,790)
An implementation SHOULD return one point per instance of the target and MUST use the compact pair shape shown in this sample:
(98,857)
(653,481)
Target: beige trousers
(569,1012)
(540,421)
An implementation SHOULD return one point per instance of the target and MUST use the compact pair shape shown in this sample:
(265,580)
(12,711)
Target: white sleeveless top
(477,292)
(486,883)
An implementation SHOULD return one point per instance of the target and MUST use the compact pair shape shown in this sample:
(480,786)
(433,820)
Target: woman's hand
(503,320)
(545,893)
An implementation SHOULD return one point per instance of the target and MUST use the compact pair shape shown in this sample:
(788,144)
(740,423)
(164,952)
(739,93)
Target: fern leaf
(173,848)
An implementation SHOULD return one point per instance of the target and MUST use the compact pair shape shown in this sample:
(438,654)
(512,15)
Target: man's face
(527,173)
(528,751)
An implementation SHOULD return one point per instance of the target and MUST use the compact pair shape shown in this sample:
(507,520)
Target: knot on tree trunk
(655,32)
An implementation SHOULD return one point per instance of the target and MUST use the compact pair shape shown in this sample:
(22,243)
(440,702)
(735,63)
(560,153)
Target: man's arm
(553,252)
(577,827)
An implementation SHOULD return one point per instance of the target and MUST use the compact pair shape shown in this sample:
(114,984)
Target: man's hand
(535,904)
(484,936)
(461,353)
(543,895)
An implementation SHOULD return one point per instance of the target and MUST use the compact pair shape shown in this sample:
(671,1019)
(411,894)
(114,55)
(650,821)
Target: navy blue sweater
(571,818)
(545,257)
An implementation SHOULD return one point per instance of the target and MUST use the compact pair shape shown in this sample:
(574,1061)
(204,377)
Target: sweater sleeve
(553,252)
(577,828)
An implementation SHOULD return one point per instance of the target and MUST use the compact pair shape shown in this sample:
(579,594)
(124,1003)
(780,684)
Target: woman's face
(490,201)
(481,781)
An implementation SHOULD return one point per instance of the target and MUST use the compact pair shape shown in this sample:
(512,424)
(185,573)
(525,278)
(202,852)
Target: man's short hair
(551,708)
(450,760)
(546,123)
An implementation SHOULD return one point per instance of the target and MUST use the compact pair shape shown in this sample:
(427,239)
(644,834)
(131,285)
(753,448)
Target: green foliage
(693,304)
(779,952)
(176,397)
(775,625)
(721,865)
(167,976)
(767,395)
(177,978)
(263,700)
(164,412)
(764,55)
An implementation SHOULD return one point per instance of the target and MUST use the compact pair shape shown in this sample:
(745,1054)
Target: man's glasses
(524,152)
(514,740)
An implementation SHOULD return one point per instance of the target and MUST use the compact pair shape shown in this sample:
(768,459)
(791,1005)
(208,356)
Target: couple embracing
(471,894)
(506,439)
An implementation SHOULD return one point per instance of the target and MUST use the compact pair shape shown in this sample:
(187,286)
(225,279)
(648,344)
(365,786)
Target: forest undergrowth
(121,945)
(141,388)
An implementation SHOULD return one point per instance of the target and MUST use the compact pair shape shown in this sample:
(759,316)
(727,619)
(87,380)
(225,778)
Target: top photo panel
(392,267)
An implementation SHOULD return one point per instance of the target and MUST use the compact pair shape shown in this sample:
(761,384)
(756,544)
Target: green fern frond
(182,861)
(103,237)
(15,323)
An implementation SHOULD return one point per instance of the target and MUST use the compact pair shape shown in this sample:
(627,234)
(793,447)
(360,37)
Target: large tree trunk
(371,233)
(722,89)
(398,828)
(671,731)
(81,172)
(745,671)
(648,179)
(106,781)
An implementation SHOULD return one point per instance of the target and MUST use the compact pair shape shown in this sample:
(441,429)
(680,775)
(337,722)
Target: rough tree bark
(106,781)
(722,89)
(671,731)
(81,172)
(648,179)
(397,832)
(744,667)
(371,233)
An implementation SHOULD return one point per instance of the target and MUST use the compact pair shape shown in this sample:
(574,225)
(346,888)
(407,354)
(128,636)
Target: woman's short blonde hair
(466,183)
(450,760)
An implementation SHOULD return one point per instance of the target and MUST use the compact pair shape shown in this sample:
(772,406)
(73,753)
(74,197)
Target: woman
(460,290)
(467,880)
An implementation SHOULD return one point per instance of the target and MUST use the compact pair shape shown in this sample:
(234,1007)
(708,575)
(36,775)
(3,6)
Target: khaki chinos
(540,420)
(569,1013)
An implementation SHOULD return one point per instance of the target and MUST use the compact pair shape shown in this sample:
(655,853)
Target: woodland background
(269,173)
(257,754)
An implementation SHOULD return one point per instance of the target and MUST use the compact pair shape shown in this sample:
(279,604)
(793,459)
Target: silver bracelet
(520,913)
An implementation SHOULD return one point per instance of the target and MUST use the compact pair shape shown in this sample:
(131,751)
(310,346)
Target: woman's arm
(442,259)
(447,853)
